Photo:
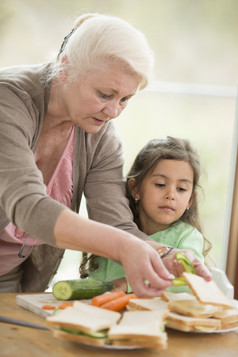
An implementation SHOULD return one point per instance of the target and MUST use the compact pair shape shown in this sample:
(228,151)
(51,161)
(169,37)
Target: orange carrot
(65,304)
(48,307)
(119,303)
(104,298)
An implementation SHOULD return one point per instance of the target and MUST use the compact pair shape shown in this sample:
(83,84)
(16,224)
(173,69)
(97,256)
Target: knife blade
(13,321)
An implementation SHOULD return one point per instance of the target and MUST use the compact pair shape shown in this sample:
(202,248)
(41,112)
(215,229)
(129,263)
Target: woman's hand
(176,268)
(144,268)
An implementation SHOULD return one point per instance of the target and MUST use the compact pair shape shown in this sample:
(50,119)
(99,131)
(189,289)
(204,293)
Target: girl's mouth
(167,208)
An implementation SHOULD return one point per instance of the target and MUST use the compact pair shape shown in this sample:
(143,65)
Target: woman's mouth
(98,121)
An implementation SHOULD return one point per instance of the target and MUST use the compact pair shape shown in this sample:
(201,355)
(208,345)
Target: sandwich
(83,323)
(210,311)
(187,323)
(193,308)
(228,318)
(140,328)
(207,292)
(93,325)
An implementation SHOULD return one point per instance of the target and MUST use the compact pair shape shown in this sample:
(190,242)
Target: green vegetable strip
(188,267)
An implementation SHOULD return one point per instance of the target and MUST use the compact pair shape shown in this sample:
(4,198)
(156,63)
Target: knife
(10,320)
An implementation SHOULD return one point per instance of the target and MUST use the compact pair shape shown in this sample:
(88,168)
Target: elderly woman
(58,142)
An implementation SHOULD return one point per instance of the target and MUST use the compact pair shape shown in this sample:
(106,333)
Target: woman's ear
(63,68)
(133,188)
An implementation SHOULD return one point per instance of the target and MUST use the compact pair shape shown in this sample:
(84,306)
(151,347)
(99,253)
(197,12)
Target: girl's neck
(149,230)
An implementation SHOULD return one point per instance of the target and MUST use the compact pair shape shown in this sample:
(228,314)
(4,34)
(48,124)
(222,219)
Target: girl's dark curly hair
(168,149)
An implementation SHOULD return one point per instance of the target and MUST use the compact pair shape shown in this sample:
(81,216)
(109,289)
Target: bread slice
(207,292)
(228,318)
(113,316)
(169,296)
(79,338)
(227,315)
(143,328)
(193,308)
(187,323)
(147,304)
(85,318)
(143,343)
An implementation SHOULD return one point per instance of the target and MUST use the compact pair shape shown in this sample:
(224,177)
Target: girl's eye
(160,184)
(182,189)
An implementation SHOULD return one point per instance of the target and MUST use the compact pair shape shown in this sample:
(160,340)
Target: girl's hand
(176,268)
(119,284)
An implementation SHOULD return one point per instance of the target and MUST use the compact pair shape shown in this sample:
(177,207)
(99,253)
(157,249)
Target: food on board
(80,289)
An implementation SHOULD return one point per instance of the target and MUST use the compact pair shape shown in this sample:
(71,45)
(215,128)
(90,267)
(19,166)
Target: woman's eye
(104,95)
(124,100)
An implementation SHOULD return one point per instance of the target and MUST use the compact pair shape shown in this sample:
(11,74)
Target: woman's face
(165,194)
(99,96)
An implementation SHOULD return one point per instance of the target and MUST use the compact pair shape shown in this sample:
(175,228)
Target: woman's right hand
(144,269)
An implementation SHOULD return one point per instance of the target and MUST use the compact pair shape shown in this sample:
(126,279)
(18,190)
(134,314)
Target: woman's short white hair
(98,38)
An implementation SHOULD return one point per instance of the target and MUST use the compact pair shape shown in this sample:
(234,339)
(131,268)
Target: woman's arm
(140,261)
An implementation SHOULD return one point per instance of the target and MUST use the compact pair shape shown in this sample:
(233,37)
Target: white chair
(220,278)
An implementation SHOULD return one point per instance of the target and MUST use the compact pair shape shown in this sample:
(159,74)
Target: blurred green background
(192,95)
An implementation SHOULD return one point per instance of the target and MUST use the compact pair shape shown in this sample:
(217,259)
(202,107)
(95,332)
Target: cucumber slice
(179,281)
(100,334)
(187,265)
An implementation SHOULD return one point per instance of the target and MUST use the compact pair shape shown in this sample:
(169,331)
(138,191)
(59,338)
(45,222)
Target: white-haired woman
(58,142)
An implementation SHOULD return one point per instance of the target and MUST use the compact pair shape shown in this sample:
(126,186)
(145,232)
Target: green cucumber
(179,281)
(99,334)
(80,289)
(187,265)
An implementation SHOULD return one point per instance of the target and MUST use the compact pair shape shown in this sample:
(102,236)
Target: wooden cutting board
(34,303)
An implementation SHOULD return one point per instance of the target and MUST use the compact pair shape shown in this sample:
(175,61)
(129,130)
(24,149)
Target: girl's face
(164,195)
(98,97)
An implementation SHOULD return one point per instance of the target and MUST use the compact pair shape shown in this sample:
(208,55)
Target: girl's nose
(170,195)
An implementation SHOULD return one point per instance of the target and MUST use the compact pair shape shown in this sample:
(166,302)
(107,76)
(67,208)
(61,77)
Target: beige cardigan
(97,172)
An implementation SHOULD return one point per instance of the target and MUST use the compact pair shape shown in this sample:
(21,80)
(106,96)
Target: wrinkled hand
(176,268)
(144,269)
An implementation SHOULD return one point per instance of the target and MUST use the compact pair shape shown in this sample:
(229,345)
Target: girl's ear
(192,198)
(133,188)
(63,68)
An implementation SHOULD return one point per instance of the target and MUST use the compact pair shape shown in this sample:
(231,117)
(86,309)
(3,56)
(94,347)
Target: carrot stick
(102,299)
(119,303)
(48,307)
(65,304)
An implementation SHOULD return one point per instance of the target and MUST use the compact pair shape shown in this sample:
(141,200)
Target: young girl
(162,188)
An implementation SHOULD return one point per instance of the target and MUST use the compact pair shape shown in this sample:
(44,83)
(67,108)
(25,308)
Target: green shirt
(179,235)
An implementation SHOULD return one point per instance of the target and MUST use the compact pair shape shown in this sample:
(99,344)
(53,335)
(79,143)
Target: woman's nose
(112,109)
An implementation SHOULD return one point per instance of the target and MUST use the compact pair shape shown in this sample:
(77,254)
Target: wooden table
(24,341)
